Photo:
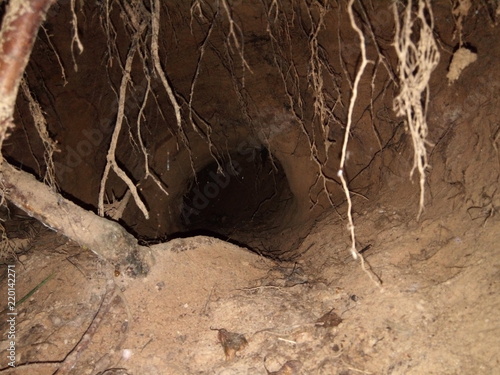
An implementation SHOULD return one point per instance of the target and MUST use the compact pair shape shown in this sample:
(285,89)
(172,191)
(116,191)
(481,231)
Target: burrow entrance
(237,197)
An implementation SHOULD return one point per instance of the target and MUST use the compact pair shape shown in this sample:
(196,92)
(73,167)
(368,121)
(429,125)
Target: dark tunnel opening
(238,197)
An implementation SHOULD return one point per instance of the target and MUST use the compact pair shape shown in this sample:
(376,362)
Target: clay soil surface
(436,313)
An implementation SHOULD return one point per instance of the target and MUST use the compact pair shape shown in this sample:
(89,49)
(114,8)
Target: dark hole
(244,196)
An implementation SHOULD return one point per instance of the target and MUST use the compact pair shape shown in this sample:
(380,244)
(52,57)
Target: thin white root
(364,61)
(76,38)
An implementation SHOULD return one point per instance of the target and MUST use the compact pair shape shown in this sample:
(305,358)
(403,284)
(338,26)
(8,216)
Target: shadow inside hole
(244,193)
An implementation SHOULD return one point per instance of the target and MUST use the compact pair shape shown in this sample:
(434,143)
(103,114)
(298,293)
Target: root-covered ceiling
(222,117)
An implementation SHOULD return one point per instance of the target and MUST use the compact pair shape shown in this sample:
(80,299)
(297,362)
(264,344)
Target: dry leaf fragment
(231,342)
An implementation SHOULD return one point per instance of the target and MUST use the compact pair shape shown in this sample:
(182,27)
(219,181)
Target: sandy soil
(436,312)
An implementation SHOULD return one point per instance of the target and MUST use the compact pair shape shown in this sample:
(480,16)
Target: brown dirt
(437,309)
(437,312)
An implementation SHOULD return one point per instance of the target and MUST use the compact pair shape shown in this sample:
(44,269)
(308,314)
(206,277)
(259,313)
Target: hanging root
(41,126)
(418,56)
(320,76)
(364,61)
(111,163)
(76,38)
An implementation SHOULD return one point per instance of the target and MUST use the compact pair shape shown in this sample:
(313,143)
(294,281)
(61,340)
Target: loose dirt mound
(437,312)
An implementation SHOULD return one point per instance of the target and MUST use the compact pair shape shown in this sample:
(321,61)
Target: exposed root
(418,56)
(49,145)
(58,57)
(20,25)
(75,39)
(364,61)
(460,10)
(148,173)
(111,163)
